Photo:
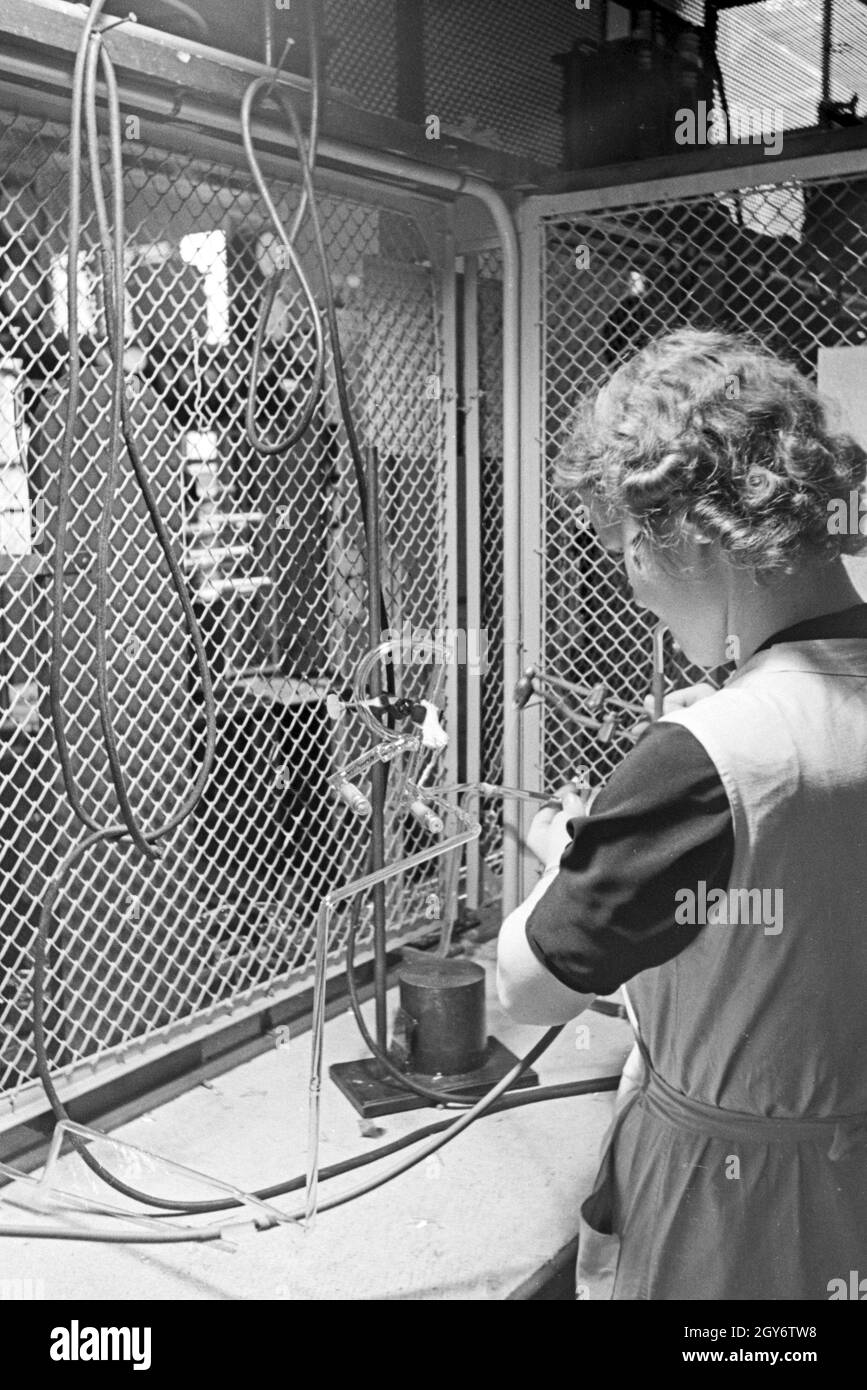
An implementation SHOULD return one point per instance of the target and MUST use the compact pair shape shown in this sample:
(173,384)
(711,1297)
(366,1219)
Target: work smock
(738,1168)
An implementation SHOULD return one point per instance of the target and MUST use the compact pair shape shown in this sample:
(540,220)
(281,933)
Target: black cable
(114,323)
(451,1131)
(111,257)
(283,100)
(288,241)
(306,157)
(288,107)
(90,51)
(113,304)
(296,431)
(340,381)
(55,678)
(513,1100)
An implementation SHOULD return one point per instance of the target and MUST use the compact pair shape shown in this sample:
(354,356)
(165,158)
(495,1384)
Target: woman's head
(711,463)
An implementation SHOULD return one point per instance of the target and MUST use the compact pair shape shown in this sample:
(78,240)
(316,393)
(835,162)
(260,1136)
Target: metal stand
(440,1042)
(373,1094)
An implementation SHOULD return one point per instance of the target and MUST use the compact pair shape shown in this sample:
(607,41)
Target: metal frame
(833,164)
(528,726)
(472,532)
(200,73)
(452,518)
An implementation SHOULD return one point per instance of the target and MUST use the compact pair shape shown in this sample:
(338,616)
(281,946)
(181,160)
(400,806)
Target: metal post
(527,728)
(827,18)
(658,668)
(449,873)
(473,548)
(379,773)
(268,31)
(512,616)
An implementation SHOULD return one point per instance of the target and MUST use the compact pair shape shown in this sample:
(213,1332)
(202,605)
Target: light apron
(738,1169)
(833,1146)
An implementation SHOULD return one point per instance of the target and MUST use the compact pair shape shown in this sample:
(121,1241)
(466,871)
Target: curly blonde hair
(711,429)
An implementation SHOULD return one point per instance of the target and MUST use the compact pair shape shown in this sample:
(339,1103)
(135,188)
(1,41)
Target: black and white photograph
(433,670)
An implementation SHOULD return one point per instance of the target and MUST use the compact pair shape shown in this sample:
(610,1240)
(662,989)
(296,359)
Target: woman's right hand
(675,699)
(681,699)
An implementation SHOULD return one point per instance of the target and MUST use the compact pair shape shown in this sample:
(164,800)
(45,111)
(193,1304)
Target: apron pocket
(598,1248)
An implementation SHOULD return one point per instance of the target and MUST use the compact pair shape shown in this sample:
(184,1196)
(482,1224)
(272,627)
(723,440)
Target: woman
(722,871)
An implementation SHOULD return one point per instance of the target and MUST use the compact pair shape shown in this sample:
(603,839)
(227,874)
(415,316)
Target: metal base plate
(371,1093)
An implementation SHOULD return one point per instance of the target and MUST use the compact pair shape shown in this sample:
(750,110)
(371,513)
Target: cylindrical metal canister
(446,1001)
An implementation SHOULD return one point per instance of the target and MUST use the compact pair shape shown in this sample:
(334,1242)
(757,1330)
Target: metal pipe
(516,793)
(658,685)
(268,32)
(472,496)
(583,692)
(378,774)
(827,22)
(508,235)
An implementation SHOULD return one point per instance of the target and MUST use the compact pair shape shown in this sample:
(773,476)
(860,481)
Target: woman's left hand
(548,835)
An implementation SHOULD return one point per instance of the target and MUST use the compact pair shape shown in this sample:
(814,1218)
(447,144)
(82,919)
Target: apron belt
(840,1134)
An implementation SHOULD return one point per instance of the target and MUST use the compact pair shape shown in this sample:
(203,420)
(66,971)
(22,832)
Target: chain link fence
(783,262)
(274,557)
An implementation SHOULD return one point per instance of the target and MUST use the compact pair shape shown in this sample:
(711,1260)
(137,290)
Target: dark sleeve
(662,823)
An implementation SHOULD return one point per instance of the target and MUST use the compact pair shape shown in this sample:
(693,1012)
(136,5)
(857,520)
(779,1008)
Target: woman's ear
(696,547)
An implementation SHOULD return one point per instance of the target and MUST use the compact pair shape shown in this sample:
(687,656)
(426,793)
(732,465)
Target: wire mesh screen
(783,263)
(274,558)
(490,73)
(362,57)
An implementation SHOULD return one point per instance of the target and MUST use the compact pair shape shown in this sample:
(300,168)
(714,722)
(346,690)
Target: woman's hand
(548,836)
(681,699)
(675,699)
